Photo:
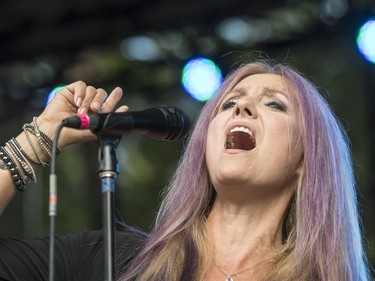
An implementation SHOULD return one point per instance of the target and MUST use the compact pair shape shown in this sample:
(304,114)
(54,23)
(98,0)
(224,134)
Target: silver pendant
(229,278)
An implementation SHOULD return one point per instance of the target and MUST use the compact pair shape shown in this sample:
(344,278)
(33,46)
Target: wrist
(26,153)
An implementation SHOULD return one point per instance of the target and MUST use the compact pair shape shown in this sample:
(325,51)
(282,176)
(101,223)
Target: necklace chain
(229,276)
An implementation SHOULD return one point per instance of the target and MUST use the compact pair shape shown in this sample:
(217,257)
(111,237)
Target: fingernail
(96,105)
(82,110)
(79,101)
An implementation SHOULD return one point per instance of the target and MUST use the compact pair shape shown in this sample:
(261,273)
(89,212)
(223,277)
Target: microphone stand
(107,172)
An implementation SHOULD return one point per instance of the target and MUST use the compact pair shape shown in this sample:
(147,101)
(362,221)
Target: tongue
(241,140)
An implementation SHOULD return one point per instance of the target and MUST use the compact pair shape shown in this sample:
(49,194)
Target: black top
(78,256)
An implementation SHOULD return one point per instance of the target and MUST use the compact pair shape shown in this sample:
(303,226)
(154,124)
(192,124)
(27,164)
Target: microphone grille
(178,123)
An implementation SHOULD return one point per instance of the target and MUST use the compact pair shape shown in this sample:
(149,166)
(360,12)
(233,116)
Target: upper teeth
(242,129)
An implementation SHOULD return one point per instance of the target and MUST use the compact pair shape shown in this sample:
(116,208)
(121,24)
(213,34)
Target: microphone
(165,123)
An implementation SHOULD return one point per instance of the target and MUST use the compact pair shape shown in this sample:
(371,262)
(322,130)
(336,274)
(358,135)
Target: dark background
(44,44)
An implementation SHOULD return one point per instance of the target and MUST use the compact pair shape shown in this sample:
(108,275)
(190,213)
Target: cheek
(283,141)
(277,134)
(291,145)
(212,140)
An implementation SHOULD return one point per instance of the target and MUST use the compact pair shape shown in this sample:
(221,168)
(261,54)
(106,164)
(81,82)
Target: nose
(244,108)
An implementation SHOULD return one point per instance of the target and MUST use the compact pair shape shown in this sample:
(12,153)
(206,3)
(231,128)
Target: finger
(112,100)
(123,108)
(98,100)
(78,90)
(87,99)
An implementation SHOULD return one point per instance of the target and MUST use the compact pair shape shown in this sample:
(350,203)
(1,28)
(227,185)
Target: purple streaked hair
(323,240)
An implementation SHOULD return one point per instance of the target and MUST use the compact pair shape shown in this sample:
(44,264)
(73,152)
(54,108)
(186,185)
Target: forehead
(261,84)
(263,80)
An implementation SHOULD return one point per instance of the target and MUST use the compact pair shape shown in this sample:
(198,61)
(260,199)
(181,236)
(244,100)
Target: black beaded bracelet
(12,167)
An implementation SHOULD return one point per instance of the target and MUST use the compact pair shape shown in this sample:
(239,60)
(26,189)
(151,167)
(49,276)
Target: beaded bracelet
(43,137)
(45,141)
(40,134)
(12,167)
(2,165)
(40,161)
(32,129)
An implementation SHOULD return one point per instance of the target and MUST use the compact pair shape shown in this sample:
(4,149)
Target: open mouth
(240,138)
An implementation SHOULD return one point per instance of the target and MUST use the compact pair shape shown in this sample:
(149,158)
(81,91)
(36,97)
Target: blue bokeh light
(142,48)
(201,78)
(366,40)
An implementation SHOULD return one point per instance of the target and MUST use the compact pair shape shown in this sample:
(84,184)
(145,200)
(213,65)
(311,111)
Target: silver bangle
(29,171)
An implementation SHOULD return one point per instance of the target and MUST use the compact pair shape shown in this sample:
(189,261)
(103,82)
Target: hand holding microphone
(77,98)
(166,123)
(96,106)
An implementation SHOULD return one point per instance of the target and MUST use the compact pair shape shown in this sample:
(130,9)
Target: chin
(231,178)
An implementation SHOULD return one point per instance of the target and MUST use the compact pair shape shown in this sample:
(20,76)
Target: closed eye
(228,104)
(277,105)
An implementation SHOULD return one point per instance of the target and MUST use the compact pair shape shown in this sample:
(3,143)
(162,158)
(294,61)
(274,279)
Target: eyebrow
(239,92)
(271,92)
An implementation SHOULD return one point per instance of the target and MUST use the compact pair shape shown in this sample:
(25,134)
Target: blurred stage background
(143,47)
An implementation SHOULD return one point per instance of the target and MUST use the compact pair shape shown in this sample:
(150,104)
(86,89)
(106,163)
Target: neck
(243,235)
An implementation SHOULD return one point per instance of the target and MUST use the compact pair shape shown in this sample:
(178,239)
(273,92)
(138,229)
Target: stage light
(366,40)
(236,30)
(201,78)
(53,92)
(141,48)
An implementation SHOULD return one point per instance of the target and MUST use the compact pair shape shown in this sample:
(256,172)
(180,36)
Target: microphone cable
(53,203)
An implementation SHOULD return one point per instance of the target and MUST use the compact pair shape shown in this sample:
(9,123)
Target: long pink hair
(323,236)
